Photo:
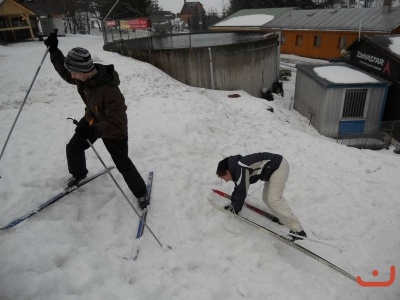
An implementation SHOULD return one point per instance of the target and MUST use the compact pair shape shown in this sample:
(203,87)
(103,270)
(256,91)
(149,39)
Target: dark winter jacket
(105,104)
(246,170)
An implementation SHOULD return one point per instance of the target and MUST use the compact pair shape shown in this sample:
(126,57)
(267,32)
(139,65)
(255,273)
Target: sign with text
(110,23)
(140,23)
(375,61)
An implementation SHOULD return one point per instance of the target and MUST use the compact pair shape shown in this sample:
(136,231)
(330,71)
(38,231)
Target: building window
(354,103)
(317,41)
(342,42)
(299,40)
(283,39)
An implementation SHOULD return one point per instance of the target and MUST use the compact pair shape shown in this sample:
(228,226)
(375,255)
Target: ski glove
(85,131)
(230,209)
(51,42)
(237,206)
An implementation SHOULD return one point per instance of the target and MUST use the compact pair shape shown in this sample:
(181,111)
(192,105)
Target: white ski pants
(272,197)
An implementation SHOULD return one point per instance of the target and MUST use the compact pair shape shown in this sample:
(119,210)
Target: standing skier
(264,166)
(105,116)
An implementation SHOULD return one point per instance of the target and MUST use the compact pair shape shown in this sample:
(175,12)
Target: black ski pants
(118,150)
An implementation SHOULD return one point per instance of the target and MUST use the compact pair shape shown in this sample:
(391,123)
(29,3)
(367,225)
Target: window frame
(355,111)
(299,40)
(283,39)
(342,42)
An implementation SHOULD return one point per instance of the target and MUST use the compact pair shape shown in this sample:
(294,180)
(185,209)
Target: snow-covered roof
(343,19)
(340,74)
(343,74)
(255,20)
(252,17)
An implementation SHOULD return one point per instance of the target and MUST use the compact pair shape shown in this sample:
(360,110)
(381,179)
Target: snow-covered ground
(346,197)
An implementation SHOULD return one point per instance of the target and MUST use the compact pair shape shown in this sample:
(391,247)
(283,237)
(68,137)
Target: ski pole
(119,187)
(105,18)
(255,190)
(23,102)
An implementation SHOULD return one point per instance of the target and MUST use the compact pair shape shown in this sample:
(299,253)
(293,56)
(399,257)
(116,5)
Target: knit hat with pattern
(79,60)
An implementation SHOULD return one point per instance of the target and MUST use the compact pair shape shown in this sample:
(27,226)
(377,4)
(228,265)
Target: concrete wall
(248,66)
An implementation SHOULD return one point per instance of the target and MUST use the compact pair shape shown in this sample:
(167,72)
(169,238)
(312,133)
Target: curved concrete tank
(223,61)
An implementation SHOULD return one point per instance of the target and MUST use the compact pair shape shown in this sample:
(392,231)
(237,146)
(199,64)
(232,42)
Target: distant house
(317,33)
(340,99)
(48,16)
(188,9)
(325,33)
(159,17)
(193,14)
(14,21)
(162,22)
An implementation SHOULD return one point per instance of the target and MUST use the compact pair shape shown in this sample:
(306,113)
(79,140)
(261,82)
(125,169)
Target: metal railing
(388,134)
(149,38)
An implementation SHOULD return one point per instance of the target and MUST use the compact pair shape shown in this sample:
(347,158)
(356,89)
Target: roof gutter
(326,30)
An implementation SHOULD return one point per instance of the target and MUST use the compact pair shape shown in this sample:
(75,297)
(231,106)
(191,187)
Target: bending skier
(264,166)
(105,115)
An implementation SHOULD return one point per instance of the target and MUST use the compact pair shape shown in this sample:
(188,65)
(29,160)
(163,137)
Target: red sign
(141,23)
(110,23)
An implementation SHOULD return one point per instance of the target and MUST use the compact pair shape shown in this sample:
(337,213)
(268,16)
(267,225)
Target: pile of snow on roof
(250,20)
(342,74)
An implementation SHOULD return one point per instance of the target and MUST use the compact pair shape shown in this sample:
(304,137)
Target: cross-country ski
(142,220)
(221,206)
(52,200)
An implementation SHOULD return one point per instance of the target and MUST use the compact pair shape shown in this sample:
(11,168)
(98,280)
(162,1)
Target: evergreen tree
(198,22)
(236,5)
(212,17)
(154,6)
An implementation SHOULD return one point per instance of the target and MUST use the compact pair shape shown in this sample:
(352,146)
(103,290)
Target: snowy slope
(73,250)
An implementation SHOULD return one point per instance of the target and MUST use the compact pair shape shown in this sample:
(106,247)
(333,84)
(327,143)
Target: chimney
(387,6)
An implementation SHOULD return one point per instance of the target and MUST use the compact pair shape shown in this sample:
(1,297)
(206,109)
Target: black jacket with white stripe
(246,170)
